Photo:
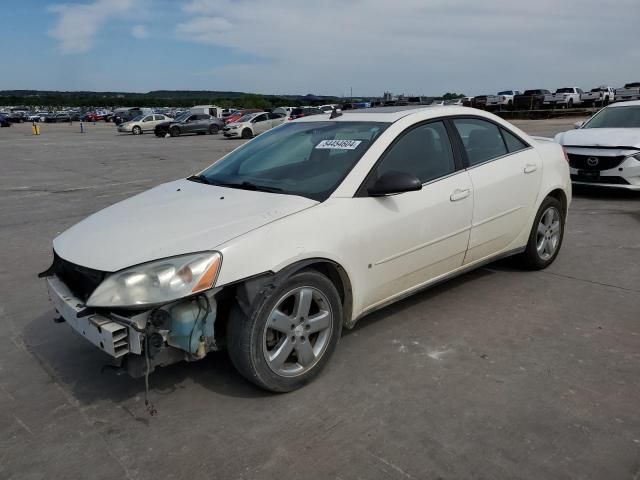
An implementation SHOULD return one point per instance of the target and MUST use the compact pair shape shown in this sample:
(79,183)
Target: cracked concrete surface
(497,374)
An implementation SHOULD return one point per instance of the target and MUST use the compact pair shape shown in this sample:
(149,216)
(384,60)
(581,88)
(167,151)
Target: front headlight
(160,281)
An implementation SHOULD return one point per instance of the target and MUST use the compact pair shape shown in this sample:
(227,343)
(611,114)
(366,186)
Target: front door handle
(460,194)
(530,168)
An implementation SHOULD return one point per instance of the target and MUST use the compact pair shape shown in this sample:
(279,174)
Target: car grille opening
(82,281)
(594,162)
(605,179)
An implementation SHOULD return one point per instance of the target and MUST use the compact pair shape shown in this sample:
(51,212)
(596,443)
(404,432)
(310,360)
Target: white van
(212,110)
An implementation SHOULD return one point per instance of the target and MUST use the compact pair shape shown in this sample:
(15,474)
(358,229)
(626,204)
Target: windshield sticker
(338,144)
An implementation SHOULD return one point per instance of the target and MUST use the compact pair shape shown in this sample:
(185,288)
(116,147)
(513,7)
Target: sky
(326,47)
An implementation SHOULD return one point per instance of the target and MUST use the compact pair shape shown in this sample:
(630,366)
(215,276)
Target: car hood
(601,137)
(171,219)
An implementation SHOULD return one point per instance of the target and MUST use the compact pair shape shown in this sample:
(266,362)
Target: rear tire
(546,236)
(213,129)
(289,334)
(570,103)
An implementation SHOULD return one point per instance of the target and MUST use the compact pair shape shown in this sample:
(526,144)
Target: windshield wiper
(249,186)
(199,179)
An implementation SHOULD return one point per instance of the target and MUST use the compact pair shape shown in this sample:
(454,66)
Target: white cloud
(78,24)
(139,31)
(413,46)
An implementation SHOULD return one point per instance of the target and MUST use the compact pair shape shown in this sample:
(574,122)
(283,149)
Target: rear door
(506,173)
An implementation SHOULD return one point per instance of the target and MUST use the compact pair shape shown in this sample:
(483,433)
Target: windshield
(182,117)
(616,117)
(246,117)
(308,159)
(138,118)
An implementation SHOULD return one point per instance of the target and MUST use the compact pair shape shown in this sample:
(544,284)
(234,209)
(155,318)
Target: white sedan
(253,124)
(142,123)
(604,151)
(276,247)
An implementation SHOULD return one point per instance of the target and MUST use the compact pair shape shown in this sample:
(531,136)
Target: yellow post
(33,128)
(37,129)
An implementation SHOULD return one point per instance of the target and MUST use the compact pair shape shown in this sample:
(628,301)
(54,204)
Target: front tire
(136,130)
(174,132)
(246,133)
(289,334)
(546,236)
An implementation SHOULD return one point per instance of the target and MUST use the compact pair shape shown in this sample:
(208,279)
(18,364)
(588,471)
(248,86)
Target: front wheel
(546,236)
(246,133)
(136,130)
(287,337)
(174,132)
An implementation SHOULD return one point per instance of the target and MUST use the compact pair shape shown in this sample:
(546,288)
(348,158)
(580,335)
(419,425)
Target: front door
(415,237)
(261,123)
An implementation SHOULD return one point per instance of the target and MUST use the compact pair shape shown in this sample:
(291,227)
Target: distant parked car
(122,115)
(143,123)
(4,122)
(329,108)
(94,117)
(458,102)
(253,124)
(58,117)
(631,91)
(286,111)
(305,112)
(566,97)
(237,115)
(16,117)
(530,99)
(199,123)
(602,96)
(605,150)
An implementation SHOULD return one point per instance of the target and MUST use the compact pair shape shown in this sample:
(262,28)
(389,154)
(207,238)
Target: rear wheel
(174,132)
(287,337)
(546,236)
(214,129)
(570,103)
(246,133)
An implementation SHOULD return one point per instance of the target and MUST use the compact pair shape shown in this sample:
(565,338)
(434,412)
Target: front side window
(424,152)
(306,159)
(260,118)
(482,140)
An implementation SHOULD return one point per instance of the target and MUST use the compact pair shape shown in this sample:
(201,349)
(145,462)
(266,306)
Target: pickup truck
(530,99)
(601,95)
(631,91)
(564,97)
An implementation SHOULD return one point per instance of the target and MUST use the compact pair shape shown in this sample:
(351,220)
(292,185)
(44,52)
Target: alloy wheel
(298,331)
(548,233)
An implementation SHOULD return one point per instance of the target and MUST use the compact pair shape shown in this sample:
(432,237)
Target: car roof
(395,113)
(632,103)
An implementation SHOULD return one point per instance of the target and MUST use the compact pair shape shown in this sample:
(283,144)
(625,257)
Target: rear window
(565,90)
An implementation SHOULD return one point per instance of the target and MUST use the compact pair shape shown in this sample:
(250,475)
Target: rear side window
(514,144)
(424,152)
(482,140)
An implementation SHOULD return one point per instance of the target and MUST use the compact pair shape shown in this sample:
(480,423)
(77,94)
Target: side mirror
(392,183)
(578,124)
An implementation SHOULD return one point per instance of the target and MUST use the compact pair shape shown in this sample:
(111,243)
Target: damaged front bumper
(142,340)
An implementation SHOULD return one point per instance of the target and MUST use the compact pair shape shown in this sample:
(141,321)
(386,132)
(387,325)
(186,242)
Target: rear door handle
(530,168)
(460,194)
